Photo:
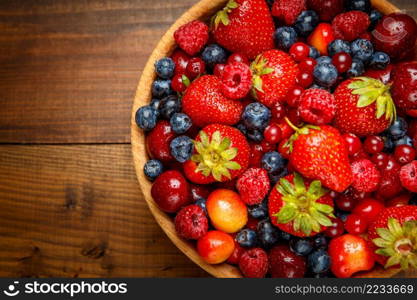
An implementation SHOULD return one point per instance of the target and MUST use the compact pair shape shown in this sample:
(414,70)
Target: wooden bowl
(203,10)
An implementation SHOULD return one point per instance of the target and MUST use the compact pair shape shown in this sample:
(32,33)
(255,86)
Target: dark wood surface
(70,205)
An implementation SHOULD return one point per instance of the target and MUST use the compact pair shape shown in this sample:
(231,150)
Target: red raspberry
(326,9)
(366,176)
(236,80)
(192,37)
(317,106)
(350,25)
(287,11)
(191,222)
(286,264)
(408,176)
(253,185)
(254,263)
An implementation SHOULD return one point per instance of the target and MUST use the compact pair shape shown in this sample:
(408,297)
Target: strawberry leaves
(222,16)
(259,68)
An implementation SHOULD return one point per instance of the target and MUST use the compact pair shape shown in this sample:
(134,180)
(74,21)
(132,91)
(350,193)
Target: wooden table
(70,205)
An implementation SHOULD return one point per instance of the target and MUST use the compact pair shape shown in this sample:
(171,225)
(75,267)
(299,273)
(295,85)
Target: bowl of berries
(278,138)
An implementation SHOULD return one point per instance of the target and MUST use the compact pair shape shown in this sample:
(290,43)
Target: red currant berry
(218,70)
(336,229)
(255,155)
(380,160)
(342,61)
(179,83)
(195,68)
(373,144)
(353,143)
(237,57)
(278,111)
(307,64)
(293,96)
(272,134)
(283,149)
(368,209)
(355,224)
(404,154)
(294,116)
(305,79)
(299,51)
(345,202)
(181,60)
(286,130)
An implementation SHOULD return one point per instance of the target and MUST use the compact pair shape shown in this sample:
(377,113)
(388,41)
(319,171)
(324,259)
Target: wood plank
(70,68)
(77,211)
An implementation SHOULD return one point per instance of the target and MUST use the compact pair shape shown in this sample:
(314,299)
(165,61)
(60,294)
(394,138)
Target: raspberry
(350,25)
(317,106)
(253,185)
(286,264)
(326,9)
(287,11)
(236,80)
(254,263)
(408,176)
(366,176)
(192,37)
(191,222)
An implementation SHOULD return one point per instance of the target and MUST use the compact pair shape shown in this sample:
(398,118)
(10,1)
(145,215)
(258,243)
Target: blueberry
(180,123)
(405,140)
(259,211)
(153,168)
(169,106)
(247,238)
(285,37)
(398,128)
(272,162)
(274,177)
(181,148)
(256,116)
(362,49)
(268,234)
(342,215)
(301,247)
(161,88)
(357,68)
(255,135)
(202,203)
(375,16)
(242,128)
(155,103)
(146,117)
(325,74)
(319,261)
(319,241)
(379,60)
(214,54)
(413,200)
(314,53)
(316,86)
(165,67)
(324,60)
(306,22)
(362,5)
(285,236)
(389,145)
(338,46)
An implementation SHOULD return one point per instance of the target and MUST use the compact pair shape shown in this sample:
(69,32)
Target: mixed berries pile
(283,137)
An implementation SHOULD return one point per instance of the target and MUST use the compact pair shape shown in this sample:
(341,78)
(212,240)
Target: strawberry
(287,11)
(204,102)
(221,154)
(363,106)
(244,26)
(394,236)
(300,208)
(319,152)
(274,74)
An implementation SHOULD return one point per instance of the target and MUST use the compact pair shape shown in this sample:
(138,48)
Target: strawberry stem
(296,129)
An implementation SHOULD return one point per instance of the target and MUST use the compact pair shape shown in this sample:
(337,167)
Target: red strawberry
(158,141)
(327,9)
(253,185)
(300,208)
(244,26)
(319,152)
(192,37)
(274,74)
(350,25)
(287,11)
(363,106)
(394,235)
(221,154)
(205,104)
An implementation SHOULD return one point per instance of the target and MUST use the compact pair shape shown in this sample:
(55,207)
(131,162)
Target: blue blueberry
(285,37)
(256,116)
(214,54)
(146,117)
(165,67)
(319,241)
(338,46)
(357,68)
(247,238)
(301,247)
(268,234)
(259,211)
(273,162)
(398,128)
(362,49)
(275,177)
(319,261)
(342,215)
(362,5)
(202,203)
(181,148)
(314,53)
(255,135)
(180,123)
(161,88)
(379,60)
(375,16)
(389,145)
(153,168)
(405,140)
(306,22)
(155,103)
(325,74)
(324,60)
(242,128)
(169,106)
(285,236)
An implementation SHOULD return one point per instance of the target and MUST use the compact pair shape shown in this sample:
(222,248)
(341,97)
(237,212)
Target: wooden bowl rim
(201,10)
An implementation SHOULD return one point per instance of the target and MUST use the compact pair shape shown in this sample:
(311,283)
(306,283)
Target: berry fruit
(317,107)
(215,247)
(191,222)
(254,263)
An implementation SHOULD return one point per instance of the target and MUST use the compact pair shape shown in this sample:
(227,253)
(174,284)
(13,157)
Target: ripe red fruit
(373,144)
(350,25)
(237,57)
(326,9)
(254,263)
(236,255)
(218,70)
(236,80)
(195,67)
(283,263)
(192,37)
(382,75)
(278,111)
(307,64)
(345,202)
(299,51)
(408,176)
(253,185)
(272,134)
(336,229)
(380,160)
(205,104)
(284,149)
(179,83)
(321,37)
(191,222)
(404,87)
(355,224)
(294,95)
(390,184)
(400,200)
(404,154)
(215,247)
(350,254)
(245,26)
(368,208)
(305,79)
(181,60)
(199,191)
(158,141)
(353,143)
(342,61)
(317,106)
(256,153)
(366,176)
(171,191)
(287,11)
